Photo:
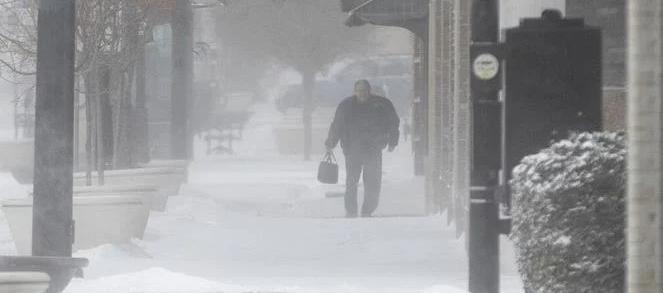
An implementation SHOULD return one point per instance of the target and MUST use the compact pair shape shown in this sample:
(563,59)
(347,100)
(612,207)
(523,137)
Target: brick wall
(609,15)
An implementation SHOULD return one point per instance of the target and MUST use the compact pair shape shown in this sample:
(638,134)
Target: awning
(411,14)
(347,5)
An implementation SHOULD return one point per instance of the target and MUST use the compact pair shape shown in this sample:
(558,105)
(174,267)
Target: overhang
(412,15)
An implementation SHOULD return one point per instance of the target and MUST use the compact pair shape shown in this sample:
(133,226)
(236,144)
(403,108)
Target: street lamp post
(182,82)
(52,211)
(181,133)
(486,148)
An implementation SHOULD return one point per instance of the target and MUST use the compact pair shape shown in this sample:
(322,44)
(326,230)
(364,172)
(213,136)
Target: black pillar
(486,160)
(52,231)
(182,79)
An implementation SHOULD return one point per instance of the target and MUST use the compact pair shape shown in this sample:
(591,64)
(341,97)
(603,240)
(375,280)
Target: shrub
(569,215)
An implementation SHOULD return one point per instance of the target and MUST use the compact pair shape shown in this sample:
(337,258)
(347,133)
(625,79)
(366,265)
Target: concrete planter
(149,196)
(166,163)
(18,158)
(99,220)
(168,180)
(152,199)
(24,282)
(182,164)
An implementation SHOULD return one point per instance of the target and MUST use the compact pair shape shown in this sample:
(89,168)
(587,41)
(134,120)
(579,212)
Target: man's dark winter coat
(364,127)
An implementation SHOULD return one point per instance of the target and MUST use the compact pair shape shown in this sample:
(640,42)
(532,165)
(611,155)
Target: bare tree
(18,36)
(110,37)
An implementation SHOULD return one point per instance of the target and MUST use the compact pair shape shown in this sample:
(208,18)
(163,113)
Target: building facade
(610,16)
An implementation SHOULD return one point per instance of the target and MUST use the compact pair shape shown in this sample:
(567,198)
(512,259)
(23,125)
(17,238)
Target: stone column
(460,188)
(447,125)
(420,105)
(182,81)
(645,121)
(433,162)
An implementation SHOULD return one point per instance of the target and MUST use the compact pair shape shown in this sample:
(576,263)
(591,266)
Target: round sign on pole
(486,66)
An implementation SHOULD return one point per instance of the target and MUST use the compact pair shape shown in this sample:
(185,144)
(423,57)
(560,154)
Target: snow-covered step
(98,220)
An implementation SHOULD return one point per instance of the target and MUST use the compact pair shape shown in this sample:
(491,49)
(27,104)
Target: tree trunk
(91,94)
(308,84)
(645,149)
(104,123)
(77,98)
(182,79)
(133,130)
(140,129)
(17,120)
(52,225)
(122,156)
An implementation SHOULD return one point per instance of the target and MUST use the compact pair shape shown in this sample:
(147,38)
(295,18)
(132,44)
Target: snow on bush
(568,215)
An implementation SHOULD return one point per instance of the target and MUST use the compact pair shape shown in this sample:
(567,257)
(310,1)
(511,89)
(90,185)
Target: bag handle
(329,157)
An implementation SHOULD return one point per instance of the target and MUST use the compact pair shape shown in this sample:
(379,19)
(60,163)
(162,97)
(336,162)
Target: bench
(33,271)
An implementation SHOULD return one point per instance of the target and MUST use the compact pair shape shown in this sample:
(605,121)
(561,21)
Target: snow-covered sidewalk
(258,222)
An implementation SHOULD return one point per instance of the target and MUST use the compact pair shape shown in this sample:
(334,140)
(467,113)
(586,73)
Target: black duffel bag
(328,169)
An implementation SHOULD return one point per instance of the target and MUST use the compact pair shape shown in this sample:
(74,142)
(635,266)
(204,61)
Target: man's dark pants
(370,162)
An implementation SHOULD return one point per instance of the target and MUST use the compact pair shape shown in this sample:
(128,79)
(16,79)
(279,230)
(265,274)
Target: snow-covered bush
(568,215)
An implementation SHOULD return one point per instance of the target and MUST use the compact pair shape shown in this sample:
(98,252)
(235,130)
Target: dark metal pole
(182,83)
(52,231)
(486,163)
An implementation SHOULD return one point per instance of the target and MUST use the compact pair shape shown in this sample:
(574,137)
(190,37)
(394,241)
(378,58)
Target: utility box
(553,83)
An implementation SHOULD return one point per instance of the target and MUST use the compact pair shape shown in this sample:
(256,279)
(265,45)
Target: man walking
(365,124)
